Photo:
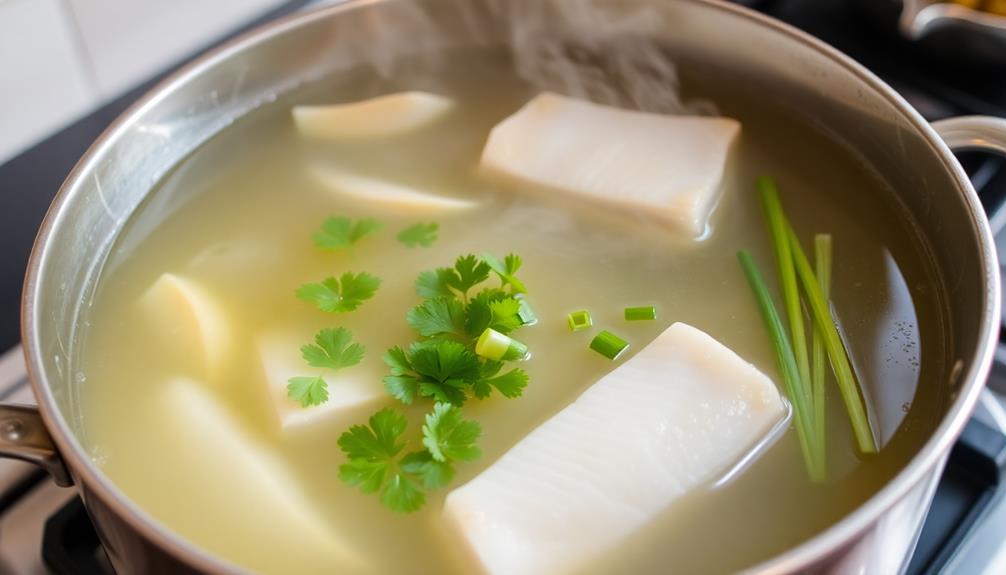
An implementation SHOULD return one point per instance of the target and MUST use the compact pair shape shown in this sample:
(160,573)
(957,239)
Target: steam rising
(600,50)
(595,50)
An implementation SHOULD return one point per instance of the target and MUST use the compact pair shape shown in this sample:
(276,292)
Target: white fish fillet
(261,488)
(353,392)
(381,116)
(682,411)
(387,194)
(669,168)
(185,312)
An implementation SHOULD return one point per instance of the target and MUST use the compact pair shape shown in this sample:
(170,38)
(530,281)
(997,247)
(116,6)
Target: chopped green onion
(525,313)
(497,346)
(608,344)
(822,260)
(579,320)
(640,313)
(787,365)
(847,383)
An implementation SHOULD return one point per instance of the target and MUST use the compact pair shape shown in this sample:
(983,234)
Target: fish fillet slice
(382,116)
(352,393)
(669,168)
(681,412)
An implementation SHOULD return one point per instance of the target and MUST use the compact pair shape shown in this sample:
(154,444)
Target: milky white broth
(237,216)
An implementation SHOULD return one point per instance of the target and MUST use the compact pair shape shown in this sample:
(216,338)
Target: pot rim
(930,456)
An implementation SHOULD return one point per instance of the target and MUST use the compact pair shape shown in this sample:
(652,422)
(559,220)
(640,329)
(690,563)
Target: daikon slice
(382,116)
(184,312)
(386,194)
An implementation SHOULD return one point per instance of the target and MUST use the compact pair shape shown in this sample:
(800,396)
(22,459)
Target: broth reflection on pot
(343,326)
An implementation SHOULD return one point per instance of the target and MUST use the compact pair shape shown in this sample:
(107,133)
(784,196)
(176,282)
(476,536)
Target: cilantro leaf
(448,437)
(436,316)
(451,391)
(433,283)
(419,235)
(511,384)
(340,295)
(431,473)
(404,388)
(308,391)
(444,360)
(397,360)
(481,386)
(490,368)
(367,475)
(438,368)
(332,349)
(356,289)
(479,313)
(468,272)
(401,495)
(506,270)
(339,233)
(371,452)
(377,442)
(505,315)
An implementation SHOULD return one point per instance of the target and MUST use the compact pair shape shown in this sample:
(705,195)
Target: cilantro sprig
(374,464)
(332,349)
(340,295)
(441,366)
(340,233)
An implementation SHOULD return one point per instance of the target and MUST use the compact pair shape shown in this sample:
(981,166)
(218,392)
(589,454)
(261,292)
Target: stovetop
(44,529)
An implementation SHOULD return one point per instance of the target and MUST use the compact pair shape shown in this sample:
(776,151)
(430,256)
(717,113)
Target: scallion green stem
(497,346)
(608,344)
(579,320)
(847,384)
(822,260)
(787,366)
(787,279)
(640,313)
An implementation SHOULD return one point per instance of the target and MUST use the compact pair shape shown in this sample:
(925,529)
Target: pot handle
(981,134)
(23,436)
(919,17)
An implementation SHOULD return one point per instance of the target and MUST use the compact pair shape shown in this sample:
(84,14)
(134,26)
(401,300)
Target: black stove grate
(70,544)
(970,482)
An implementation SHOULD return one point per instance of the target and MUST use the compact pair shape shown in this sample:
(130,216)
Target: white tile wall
(43,75)
(61,58)
(128,39)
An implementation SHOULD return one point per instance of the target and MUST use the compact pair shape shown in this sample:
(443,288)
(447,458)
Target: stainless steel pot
(776,60)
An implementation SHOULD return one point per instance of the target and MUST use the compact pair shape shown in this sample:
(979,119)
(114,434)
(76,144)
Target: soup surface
(236,217)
